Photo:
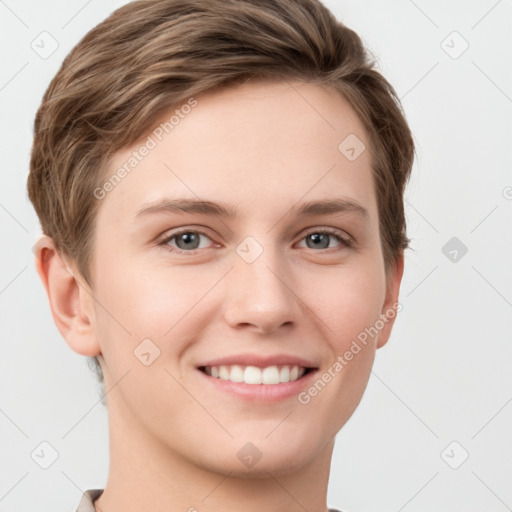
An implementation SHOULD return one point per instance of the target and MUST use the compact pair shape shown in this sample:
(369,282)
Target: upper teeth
(255,375)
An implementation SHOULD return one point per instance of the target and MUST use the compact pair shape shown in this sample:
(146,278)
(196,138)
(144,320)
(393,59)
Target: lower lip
(262,392)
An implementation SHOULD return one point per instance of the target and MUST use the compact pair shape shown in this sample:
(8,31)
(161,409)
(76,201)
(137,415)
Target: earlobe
(71,303)
(391,305)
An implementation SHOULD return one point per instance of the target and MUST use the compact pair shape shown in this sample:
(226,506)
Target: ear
(71,300)
(391,306)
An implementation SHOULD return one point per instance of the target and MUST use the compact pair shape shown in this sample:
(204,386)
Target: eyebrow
(324,207)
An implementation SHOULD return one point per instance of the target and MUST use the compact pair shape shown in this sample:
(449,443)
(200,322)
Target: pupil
(318,238)
(187,238)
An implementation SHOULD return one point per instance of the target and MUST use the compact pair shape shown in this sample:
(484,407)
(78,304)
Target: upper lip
(259,360)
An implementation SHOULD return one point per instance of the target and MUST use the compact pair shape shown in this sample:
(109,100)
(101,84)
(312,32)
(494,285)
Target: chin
(283,455)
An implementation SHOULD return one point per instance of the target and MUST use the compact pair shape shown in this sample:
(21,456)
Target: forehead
(261,146)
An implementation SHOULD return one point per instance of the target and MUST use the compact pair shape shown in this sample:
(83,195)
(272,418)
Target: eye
(186,241)
(190,240)
(320,239)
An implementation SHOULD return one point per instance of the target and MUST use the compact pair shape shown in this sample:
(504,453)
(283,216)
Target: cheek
(349,307)
(142,302)
(348,301)
(148,313)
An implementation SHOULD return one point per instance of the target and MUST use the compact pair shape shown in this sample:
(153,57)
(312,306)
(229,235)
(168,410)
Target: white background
(446,373)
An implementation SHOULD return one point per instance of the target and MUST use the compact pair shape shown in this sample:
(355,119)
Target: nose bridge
(259,292)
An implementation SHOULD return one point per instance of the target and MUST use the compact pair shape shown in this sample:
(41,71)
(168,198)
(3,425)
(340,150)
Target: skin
(263,148)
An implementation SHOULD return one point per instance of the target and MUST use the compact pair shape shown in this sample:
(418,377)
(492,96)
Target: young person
(220,187)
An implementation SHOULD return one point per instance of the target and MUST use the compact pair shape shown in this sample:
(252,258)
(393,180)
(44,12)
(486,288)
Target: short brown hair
(151,55)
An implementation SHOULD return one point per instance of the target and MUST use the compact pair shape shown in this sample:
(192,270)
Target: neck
(144,474)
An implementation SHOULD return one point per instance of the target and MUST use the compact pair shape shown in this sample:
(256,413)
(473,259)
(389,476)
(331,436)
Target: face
(281,266)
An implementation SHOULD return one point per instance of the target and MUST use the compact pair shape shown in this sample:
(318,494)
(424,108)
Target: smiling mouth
(270,375)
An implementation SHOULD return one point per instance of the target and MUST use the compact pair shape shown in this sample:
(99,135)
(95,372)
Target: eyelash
(344,241)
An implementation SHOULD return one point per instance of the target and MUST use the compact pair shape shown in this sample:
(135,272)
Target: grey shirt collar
(87,501)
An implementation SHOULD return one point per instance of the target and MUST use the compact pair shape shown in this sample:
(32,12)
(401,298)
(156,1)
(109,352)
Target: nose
(259,295)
